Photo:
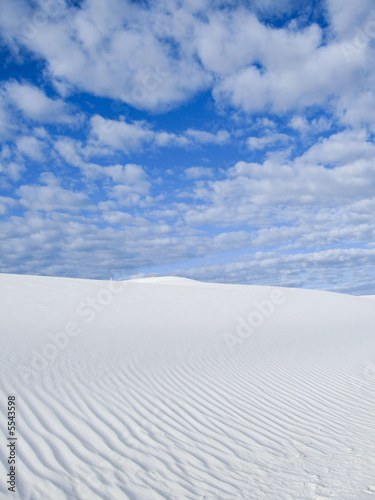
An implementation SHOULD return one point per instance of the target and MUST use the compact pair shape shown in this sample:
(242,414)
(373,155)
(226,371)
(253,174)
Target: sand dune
(175,389)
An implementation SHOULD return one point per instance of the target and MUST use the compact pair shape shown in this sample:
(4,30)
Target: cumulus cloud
(157,57)
(31,147)
(341,148)
(120,134)
(270,138)
(6,202)
(135,136)
(199,172)
(37,106)
(131,185)
(349,19)
(111,49)
(50,196)
(10,167)
(204,137)
(165,139)
(357,109)
(314,126)
(289,87)
(300,203)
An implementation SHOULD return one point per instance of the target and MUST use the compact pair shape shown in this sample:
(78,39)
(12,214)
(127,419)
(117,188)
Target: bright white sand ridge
(163,390)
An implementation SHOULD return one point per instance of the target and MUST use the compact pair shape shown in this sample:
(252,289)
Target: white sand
(153,395)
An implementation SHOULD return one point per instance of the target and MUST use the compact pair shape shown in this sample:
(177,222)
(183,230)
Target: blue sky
(221,141)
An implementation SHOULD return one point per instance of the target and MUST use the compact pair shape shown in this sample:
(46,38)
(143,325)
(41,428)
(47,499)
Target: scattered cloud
(37,106)
(199,172)
(227,140)
(119,134)
(31,147)
(267,140)
(50,196)
(135,136)
(203,137)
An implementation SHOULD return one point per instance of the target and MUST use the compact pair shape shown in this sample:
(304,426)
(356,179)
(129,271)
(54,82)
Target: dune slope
(175,389)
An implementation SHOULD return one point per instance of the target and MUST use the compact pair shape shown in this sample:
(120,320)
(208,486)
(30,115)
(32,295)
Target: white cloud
(128,174)
(357,109)
(35,105)
(120,134)
(8,125)
(229,41)
(349,19)
(69,149)
(267,140)
(13,170)
(5,203)
(50,196)
(203,137)
(293,192)
(341,148)
(131,184)
(31,147)
(115,217)
(164,139)
(134,136)
(265,122)
(280,88)
(199,172)
(314,126)
(114,49)
(8,166)
(344,269)
(300,123)
(157,57)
